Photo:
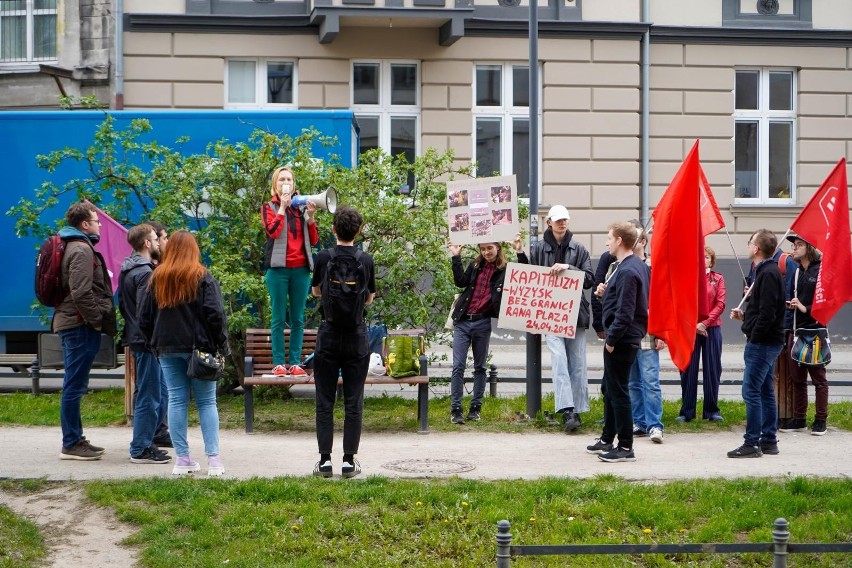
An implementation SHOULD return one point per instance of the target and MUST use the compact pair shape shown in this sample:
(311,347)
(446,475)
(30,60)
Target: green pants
(284,284)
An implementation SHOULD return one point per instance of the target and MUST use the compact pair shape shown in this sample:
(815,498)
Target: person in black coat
(625,320)
(477,304)
(763,326)
(183,311)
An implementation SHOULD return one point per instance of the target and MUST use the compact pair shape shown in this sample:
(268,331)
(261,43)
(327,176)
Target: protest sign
(537,302)
(482,210)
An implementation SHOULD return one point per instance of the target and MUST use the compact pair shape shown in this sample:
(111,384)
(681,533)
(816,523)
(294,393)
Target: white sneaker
(656,435)
(185,466)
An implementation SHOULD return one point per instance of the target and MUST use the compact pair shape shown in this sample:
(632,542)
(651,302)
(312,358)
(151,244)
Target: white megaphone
(327,200)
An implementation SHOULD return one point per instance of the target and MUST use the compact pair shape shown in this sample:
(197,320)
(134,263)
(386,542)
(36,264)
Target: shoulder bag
(204,366)
(812,347)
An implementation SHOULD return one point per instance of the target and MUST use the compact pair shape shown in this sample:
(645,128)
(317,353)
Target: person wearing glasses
(148,407)
(85,313)
(763,326)
(800,300)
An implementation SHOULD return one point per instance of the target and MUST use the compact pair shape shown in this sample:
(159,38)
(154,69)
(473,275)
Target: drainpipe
(119,54)
(645,111)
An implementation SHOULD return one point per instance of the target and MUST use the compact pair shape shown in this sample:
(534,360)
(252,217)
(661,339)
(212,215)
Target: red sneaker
(297,371)
(279,371)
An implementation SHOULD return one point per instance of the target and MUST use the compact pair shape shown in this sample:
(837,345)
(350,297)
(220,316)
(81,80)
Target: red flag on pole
(677,254)
(711,217)
(113,246)
(824,223)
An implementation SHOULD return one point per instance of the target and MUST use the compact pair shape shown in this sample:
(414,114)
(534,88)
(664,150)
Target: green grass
(381,414)
(378,522)
(21,544)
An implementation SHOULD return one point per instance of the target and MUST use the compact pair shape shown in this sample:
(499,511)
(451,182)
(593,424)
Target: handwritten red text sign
(537,302)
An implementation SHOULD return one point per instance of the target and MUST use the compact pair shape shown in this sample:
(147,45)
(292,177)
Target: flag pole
(736,256)
(747,294)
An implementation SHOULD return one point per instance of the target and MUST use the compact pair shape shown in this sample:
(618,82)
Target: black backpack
(344,290)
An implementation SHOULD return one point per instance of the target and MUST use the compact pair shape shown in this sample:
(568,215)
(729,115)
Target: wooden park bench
(258,362)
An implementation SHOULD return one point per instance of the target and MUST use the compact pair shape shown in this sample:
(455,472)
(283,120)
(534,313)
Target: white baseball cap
(557,213)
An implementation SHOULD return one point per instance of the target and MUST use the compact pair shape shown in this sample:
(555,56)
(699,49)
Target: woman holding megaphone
(291,231)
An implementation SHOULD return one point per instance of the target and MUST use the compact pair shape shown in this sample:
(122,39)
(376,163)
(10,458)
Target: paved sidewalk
(488,455)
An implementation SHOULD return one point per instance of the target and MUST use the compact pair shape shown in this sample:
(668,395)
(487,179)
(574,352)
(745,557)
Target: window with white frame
(386,102)
(260,83)
(27,31)
(501,122)
(765,134)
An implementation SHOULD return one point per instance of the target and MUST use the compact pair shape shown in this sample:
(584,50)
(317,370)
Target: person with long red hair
(182,311)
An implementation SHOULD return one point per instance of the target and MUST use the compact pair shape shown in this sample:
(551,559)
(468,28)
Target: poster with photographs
(482,210)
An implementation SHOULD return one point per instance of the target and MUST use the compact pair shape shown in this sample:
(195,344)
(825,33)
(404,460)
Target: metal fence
(779,548)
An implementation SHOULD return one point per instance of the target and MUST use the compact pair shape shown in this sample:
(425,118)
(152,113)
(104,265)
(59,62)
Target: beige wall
(611,11)
(832,14)
(680,13)
(154,7)
(590,117)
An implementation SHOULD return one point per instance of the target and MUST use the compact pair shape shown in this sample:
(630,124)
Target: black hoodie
(132,287)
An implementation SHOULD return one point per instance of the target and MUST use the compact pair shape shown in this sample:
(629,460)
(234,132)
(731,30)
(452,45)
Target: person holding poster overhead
(560,251)
(477,304)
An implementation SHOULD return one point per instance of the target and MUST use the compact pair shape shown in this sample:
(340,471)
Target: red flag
(113,246)
(677,255)
(824,223)
(711,217)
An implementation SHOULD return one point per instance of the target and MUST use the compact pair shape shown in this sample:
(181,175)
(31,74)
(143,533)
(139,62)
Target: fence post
(492,381)
(35,375)
(781,536)
(504,542)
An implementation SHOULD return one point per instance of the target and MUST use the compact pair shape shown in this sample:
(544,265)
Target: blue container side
(24,135)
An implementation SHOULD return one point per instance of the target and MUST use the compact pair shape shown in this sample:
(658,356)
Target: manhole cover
(432,466)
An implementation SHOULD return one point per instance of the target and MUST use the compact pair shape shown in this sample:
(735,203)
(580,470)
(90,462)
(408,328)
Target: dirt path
(76,532)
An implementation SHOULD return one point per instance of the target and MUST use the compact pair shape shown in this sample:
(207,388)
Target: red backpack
(48,272)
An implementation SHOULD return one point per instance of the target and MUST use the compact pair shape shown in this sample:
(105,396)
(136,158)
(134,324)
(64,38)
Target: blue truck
(24,135)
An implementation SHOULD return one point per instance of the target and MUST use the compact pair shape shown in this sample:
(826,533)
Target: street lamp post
(533,340)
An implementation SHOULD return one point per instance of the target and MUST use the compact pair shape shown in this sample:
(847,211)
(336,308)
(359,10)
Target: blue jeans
(568,361)
(759,393)
(80,345)
(468,333)
(646,397)
(287,284)
(204,392)
(149,400)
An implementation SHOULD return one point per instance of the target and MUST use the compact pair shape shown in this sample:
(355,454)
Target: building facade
(766,85)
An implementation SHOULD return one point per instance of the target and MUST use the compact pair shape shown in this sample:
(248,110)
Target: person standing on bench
(472,313)
(290,234)
(345,282)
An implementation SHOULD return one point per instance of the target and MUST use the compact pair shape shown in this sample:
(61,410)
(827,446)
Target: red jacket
(715,299)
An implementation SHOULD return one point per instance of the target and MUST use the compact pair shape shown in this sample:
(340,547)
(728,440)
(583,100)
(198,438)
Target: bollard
(781,536)
(35,375)
(504,543)
(492,381)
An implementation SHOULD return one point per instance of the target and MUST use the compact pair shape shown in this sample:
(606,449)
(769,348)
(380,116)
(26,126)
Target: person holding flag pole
(823,224)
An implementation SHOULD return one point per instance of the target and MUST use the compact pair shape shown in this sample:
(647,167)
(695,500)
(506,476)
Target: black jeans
(346,354)
(618,418)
